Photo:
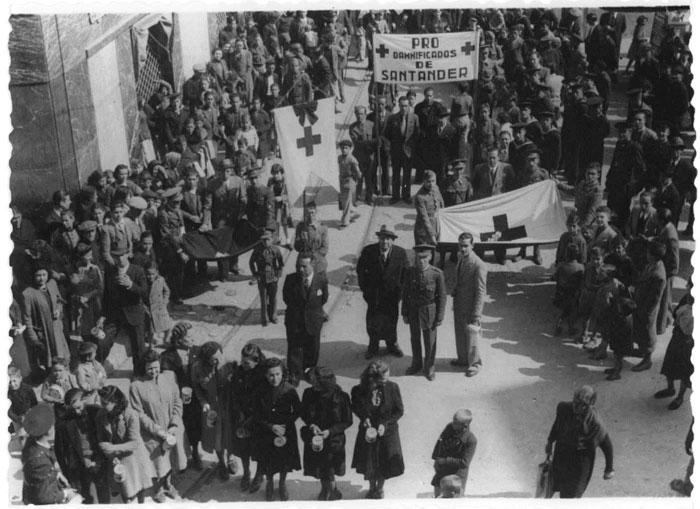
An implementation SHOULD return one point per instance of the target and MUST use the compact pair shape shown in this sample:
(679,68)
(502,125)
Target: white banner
(306,134)
(426,58)
(533,214)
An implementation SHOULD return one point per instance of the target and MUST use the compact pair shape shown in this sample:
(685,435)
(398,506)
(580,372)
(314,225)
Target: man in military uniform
(532,174)
(171,228)
(260,203)
(427,202)
(423,309)
(312,236)
(362,135)
(266,266)
(455,188)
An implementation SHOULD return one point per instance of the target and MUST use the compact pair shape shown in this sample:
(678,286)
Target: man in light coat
(468,303)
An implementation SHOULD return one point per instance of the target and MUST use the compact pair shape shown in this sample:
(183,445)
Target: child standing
(279,189)
(266,265)
(60,376)
(158,297)
(349,171)
(572,236)
(276,411)
(22,398)
(90,375)
(568,276)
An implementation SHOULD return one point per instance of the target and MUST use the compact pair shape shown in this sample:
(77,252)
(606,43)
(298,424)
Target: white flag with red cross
(306,134)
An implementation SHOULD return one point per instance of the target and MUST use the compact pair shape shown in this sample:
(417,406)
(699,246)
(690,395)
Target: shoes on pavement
(273,319)
(196,463)
(270,491)
(682,487)
(224,474)
(324,495)
(412,370)
(615,375)
(394,350)
(537,259)
(171,492)
(675,404)
(666,393)
(336,495)
(284,494)
(370,494)
(642,366)
(160,498)
(473,370)
(245,482)
(430,374)
(255,484)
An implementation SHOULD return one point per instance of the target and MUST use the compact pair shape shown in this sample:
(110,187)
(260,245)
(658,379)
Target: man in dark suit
(428,112)
(126,290)
(304,292)
(196,212)
(402,131)
(263,82)
(380,119)
(321,75)
(380,273)
(643,221)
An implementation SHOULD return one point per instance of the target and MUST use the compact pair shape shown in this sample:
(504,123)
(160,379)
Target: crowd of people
(111,259)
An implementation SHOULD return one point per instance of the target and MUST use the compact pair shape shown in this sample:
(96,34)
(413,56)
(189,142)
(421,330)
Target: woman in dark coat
(677,364)
(326,411)
(578,432)
(179,358)
(377,403)
(247,379)
(276,411)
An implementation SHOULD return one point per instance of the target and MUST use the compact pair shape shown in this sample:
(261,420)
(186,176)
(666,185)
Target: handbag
(545,479)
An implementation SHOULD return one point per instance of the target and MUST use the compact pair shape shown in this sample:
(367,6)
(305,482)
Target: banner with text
(533,214)
(426,58)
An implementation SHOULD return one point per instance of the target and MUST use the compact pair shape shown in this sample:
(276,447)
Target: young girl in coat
(276,412)
(326,412)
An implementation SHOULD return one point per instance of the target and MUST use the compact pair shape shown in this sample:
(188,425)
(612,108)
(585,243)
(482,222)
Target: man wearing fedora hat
(380,273)
(43,482)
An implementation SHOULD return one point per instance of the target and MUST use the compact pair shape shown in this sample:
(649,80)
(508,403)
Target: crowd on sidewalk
(111,260)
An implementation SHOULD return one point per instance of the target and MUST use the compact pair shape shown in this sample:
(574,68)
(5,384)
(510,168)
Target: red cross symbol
(382,51)
(308,141)
(468,48)
(500,224)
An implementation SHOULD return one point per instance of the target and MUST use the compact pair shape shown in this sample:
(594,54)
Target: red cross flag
(426,58)
(306,134)
(532,214)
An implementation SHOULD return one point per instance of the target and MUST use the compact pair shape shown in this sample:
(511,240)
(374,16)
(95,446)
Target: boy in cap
(43,481)
(453,452)
(350,175)
(266,266)
(423,309)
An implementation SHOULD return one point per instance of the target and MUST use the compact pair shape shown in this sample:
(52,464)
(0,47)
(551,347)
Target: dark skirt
(381,459)
(677,364)
(273,459)
(326,462)
(192,419)
(572,470)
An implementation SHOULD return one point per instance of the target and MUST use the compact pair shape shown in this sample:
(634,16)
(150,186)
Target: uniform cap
(677,142)
(137,202)
(423,248)
(594,100)
(38,420)
(87,226)
(119,251)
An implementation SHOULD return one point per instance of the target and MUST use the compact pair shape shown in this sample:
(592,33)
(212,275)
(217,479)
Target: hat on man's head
(518,125)
(253,173)
(38,421)
(385,231)
(677,142)
(424,249)
(171,192)
(532,149)
(545,113)
(296,45)
(87,226)
(227,163)
(137,202)
(82,249)
(443,113)
(457,165)
(594,100)
(267,234)
(199,68)
(149,194)
(87,347)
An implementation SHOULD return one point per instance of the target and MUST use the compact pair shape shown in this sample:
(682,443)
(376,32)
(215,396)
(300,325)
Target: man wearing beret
(44,484)
(380,273)
(171,228)
(423,309)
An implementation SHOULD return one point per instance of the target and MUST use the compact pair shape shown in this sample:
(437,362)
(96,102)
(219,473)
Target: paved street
(526,370)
